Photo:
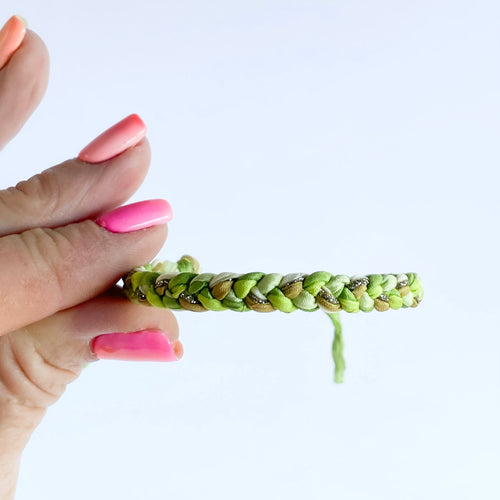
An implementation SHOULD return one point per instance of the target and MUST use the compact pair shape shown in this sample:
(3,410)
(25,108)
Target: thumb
(24,71)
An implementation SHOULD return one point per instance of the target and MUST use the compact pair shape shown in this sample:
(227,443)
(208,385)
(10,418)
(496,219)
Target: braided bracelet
(178,285)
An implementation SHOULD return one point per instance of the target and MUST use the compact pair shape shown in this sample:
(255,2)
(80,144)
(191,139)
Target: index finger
(24,75)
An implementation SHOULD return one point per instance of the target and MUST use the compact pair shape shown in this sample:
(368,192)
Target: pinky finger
(37,362)
(108,327)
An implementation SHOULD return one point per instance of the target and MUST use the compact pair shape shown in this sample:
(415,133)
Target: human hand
(63,245)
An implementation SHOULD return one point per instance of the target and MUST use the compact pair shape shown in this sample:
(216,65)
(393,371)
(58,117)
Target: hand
(63,246)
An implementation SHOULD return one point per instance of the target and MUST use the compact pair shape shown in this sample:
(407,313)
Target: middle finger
(76,190)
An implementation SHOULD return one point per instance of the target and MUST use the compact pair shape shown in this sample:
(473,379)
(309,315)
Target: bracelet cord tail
(338,348)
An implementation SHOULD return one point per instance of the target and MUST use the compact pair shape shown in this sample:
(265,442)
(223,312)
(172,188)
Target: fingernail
(11,37)
(117,139)
(136,216)
(145,345)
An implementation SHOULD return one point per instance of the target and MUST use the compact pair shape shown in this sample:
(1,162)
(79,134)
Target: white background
(353,137)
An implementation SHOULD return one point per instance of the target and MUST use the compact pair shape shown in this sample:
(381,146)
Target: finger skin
(23,82)
(37,362)
(73,191)
(17,423)
(44,271)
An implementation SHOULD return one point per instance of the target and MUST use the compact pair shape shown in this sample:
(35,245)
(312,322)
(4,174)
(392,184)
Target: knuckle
(46,196)
(25,375)
(47,249)
(60,258)
(40,194)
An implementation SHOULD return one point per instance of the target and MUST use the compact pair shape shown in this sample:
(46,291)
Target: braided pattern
(179,286)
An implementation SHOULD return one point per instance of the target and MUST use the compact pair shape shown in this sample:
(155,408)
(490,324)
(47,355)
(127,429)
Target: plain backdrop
(353,137)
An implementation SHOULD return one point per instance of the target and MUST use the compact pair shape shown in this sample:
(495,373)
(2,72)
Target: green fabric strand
(338,348)
(280,301)
(269,282)
(245,283)
(315,281)
(395,300)
(337,283)
(209,302)
(180,286)
(170,303)
(348,301)
(179,283)
(234,303)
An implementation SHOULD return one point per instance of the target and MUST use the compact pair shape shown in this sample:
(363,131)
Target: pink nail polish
(145,345)
(120,137)
(136,216)
(11,37)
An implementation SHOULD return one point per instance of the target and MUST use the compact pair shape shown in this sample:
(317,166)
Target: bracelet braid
(180,286)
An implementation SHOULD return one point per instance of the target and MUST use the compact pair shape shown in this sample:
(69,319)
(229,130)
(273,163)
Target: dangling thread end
(338,348)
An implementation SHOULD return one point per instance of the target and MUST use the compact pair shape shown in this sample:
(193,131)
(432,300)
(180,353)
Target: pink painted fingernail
(120,137)
(145,345)
(136,216)
(11,37)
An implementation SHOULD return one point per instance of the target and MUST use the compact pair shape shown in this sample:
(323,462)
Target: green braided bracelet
(179,286)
